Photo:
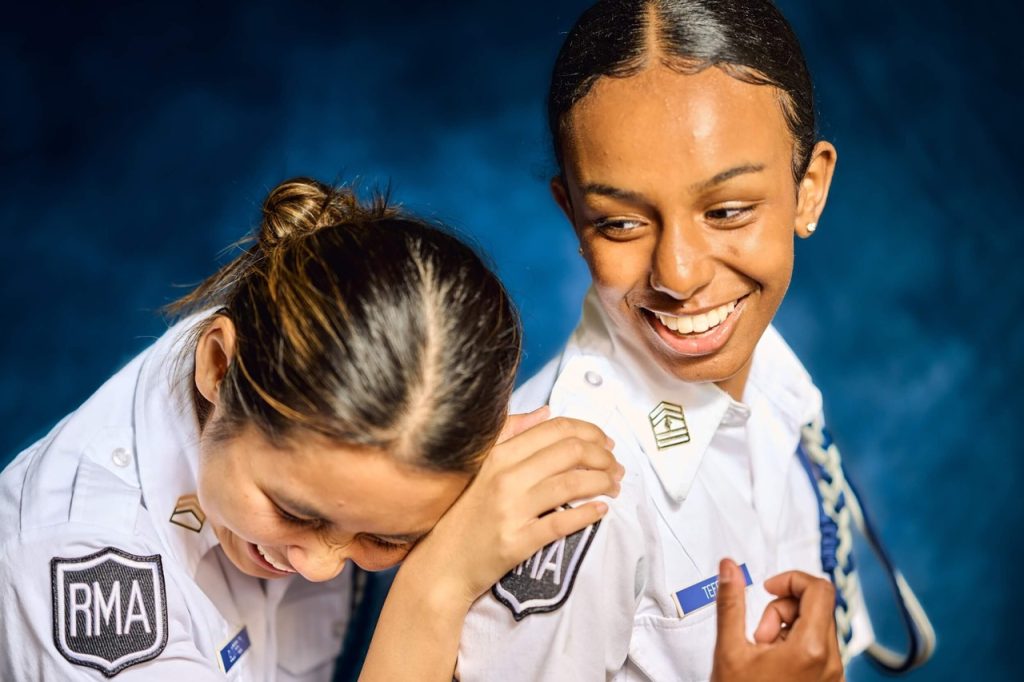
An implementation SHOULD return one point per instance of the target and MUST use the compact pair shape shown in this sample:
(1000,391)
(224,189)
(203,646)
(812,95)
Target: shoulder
(85,579)
(777,352)
(566,612)
(77,597)
(83,469)
(782,378)
(536,391)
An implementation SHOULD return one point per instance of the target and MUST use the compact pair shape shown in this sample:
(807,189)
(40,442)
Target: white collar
(639,385)
(167,442)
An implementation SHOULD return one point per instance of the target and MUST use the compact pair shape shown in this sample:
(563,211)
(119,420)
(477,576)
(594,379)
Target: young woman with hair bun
(320,403)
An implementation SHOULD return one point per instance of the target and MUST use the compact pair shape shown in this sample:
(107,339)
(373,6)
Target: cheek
(619,266)
(211,493)
(765,255)
(234,505)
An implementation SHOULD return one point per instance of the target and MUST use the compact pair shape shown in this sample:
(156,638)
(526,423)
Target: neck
(737,383)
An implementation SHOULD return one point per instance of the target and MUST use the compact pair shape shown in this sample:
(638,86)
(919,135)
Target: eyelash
(384,544)
(315,524)
(612,225)
(740,212)
(734,214)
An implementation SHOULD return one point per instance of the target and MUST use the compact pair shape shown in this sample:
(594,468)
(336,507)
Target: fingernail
(602,508)
(620,474)
(725,571)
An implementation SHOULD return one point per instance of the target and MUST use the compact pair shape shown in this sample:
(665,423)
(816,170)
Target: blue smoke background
(137,140)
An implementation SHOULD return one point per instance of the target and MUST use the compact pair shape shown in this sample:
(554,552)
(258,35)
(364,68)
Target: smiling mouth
(697,324)
(265,559)
(696,335)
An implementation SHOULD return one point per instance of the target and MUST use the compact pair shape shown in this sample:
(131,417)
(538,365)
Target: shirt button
(121,457)
(593,378)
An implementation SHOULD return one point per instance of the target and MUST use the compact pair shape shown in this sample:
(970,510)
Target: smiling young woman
(324,399)
(689,160)
(690,245)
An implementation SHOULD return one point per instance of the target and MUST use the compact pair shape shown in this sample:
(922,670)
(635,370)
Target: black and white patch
(109,609)
(543,582)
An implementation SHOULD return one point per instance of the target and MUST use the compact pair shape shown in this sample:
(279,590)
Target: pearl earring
(811,227)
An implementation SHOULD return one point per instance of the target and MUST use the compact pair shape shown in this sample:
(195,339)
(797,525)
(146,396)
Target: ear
(813,191)
(214,353)
(560,193)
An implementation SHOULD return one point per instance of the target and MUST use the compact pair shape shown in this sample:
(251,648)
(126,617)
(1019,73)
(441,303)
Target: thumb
(731,606)
(517,423)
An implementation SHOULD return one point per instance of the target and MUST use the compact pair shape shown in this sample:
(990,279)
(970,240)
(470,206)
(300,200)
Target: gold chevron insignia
(188,513)
(669,425)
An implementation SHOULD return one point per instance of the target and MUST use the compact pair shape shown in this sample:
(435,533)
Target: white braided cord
(845,581)
(832,487)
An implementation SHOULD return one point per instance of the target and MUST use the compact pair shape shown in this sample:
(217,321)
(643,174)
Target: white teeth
(272,562)
(697,324)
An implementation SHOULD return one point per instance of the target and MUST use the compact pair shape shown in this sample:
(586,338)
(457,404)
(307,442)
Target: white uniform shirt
(725,483)
(167,604)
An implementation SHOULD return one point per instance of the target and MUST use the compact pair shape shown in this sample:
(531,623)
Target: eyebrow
(726,175)
(627,195)
(612,192)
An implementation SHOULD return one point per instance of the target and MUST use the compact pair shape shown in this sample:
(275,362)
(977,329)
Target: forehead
(360,489)
(660,125)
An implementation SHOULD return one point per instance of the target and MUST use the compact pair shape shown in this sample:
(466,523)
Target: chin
(703,370)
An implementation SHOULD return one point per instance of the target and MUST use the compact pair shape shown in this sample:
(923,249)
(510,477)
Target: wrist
(433,583)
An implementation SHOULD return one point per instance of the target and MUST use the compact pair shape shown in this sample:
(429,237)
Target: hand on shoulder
(538,465)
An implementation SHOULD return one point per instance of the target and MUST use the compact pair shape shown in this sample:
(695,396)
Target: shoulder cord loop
(839,509)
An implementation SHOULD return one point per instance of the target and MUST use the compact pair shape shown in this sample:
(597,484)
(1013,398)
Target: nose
(681,264)
(316,561)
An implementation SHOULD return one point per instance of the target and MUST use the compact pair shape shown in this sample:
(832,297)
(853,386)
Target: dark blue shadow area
(138,139)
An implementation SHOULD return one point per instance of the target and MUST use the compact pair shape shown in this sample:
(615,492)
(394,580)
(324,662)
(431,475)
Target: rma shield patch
(109,609)
(543,582)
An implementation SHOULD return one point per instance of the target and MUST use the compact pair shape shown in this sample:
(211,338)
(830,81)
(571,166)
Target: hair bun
(301,206)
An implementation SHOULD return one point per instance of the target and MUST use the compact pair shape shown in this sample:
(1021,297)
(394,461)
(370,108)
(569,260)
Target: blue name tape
(703,593)
(234,649)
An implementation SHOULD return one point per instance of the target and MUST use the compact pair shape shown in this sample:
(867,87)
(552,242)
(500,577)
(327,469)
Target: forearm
(417,635)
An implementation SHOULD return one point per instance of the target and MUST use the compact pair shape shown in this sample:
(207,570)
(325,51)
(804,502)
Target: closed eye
(315,524)
(385,545)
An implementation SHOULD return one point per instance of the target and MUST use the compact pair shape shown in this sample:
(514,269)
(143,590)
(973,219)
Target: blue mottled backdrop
(137,140)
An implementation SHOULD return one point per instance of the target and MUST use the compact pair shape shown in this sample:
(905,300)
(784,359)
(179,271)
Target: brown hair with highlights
(363,324)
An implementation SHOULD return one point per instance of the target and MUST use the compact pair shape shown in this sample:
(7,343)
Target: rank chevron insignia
(188,514)
(669,425)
